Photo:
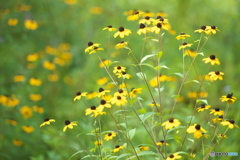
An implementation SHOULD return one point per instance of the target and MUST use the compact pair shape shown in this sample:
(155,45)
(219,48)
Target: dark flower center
(109,26)
(182,33)
(217,109)
(90,44)
(171,120)
(109,134)
(220,117)
(119,97)
(184,43)
(117,146)
(213,27)
(121,42)
(162,141)
(231,121)
(212,57)
(171,156)
(136,12)
(203,27)
(93,107)
(120,91)
(124,73)
(78,93)
(217,72)
(121,29)
(230,95)
(197,127)
(132,89)
(119,67)
(147,17)
(142,26)
(159,25)
(203,105)
(46,119)
(103,102)
(161,19)
(67,122)
(101,89)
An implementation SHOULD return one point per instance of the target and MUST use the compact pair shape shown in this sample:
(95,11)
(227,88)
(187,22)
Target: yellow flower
(109,28)
(98,143)
(228,98)
(162,14)
(35,82)
(143,29)
(53,77)
(184,45)
(102,92)
(157,28)
(212,59)
(148,14)
(102,81)
(134,92)
(154,82)
(216,75)
(17,142)
(110,136)
(13,22)
(203,94)
(79,95)
(28,129)
(147,20)
(182,36)
(70,2)
(69,125)
(92,95)
(47,121)
(95,49)
(104,63)
(91,45)
(222,136)
(134,15)
(219,119)
(190,53)
(120,92)
(19,78)
(216,111)
(171,123)
(35,97)
(117,148)
(96,10)
(121,44)
(174,156)
(124,75)
(95,111)
(143,148)
(162,142)
(192,95)
(49,65)
(164,23)
(32,57)
(122,32)
(31,24)
(118,100)
(211,29)
(154,104)
(12,122)
(197,130)
(230,123)
(104,103)
(119,69)
(38,109)
(26,111)
(201,30)
(203,107)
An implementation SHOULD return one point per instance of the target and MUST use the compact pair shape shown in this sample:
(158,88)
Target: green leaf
(141,75)
(145,116)
(159,67)
(195,81)
(144,153)
(188,118)
(123,125)
(123,155)
(159,54)
(131,133)
(175,96)
(191,140)
(132,101)
(179,74)
(202,100)
(146,64)
(146,57)
(161,89)
(175,128)
(142,111)
(78,152)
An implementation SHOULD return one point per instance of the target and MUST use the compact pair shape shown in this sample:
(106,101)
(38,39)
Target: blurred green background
(64,29)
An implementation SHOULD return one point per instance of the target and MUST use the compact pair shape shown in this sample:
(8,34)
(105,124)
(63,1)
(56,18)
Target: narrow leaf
(131,133)
(141,75)
(146,57)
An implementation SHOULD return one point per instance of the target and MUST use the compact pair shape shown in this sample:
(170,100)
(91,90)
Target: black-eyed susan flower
(12,122)
(47,121)
(147,20)
(217,112)
(32,57)
(230,123)
(164,23)
(123,75)
(121,44)
(212,59)
(95,111)
(185,45)
(211,29)
(119,69)
(19,78)
(174,156)
(35,97)
(120,92)
(119,100)
(148,14)
(13,22)
(134,92)
(171,123)
(95,49)
(157,28)
(218,119)
(104,63)
(190,52)
(109,28)
(17,142)
(154,104)
(205,135)
(134,15)
(197,130)
(202,94)
(182,36)
(110,136)
(201,30)
(216,75)
(102,92)
(155,81)
(192,95)
(26,111)
(203,107)
(162,14)
(143,148)
(92,95)
(102,81)
(228,98)
(143,29)
(28,129)
(122,32)
(79,95)
(98,143)
(35,82)
(31,24)
(38,109)
(105,103)
(117,148)
(222,136)
(161,143)
(91,45)
(69,125)
(49,65)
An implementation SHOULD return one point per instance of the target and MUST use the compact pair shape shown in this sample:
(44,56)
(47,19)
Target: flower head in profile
(110,136)
(154,104)
(47,121)
(134,92)
(157,28)
(197,130)
(69,125)
(104,103)
(213,76)
(91,45)
(228,98)
(230,123)
(212,59)
(174,156)
(182,36)
(119,100)
(216,111)
(134,15)
(95,49)
(123,75)
(117,148)
(222,136)
(211,29)
(143,29)
(161,143)
(143,148)
(190,52)
(102,92)
(31,24)
(171,123)
(121,44)
(122,32)
(218,119)
(185,45)
(203,107)
(95,111)
(147,20)
(28,129)
(98,143)
(203,29)
(109,28)
(79,95)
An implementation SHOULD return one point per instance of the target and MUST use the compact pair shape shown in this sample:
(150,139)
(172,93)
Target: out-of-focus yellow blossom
(109,28)
(50,50)
(134,16)
(32,57)
(102,81)
(70,2)
(38,109)
(121,44)
(96,10)
(26,112)
(185,45)
(31,24)
(182,36)
(35,82)
(35,97)
(28,129)
(19,78)
(13,22)
(12,122)
(105,63)
(49,65)
(17,142)
(53,77)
